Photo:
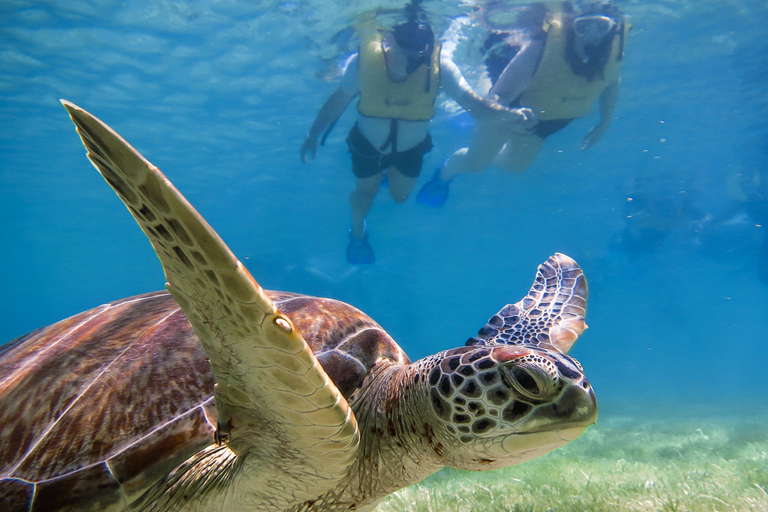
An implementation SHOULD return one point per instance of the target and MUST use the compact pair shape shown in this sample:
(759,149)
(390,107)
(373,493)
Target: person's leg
(359,251)
(487,140)
(361,201)
(400,185)
(519,152)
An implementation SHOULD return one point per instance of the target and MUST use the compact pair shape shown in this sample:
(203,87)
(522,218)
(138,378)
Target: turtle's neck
(398,445)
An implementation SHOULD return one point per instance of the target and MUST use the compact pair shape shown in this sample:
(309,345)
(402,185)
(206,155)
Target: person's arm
(333,107)
(518,74)
(454,84)
(608,99)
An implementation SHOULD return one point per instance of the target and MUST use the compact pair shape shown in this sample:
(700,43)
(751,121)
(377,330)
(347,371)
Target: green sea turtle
(224,396)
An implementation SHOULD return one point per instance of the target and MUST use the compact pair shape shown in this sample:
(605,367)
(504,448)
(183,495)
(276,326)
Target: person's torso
(412,99)
(377,129)
(411,102)
(556,92)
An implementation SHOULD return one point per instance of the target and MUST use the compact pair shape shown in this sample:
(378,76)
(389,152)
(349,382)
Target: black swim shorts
(368,161)
(546,128)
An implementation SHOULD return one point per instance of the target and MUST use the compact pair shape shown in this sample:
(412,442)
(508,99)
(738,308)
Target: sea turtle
(224,396)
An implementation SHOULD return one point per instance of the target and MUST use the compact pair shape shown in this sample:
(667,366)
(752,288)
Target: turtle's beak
(573,411)
(577,405)
(553,425)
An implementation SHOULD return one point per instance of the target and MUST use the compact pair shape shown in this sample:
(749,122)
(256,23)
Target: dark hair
(416,35)
(502,45)
(413,35)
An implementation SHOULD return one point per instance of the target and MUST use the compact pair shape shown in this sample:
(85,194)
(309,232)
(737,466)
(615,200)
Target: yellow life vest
(409,100)
(556,92)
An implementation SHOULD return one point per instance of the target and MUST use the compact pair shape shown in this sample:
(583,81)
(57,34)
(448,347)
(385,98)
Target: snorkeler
(746,221)
(397,74)
(556,61)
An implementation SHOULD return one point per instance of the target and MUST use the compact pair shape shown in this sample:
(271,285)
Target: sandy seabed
(675,463)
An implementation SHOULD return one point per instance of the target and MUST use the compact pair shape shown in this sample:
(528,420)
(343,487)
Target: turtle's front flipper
(552,313)
(276,405)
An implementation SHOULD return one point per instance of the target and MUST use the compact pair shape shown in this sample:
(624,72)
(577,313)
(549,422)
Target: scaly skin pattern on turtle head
(474,408)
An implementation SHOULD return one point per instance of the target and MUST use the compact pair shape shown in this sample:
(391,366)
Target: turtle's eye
(524,380)
(534,380)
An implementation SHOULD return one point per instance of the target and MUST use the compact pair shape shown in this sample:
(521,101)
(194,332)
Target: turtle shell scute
(346,341)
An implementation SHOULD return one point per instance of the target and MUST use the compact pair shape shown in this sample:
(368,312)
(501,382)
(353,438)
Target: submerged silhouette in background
(756,189)
(735,234)
(744,225)
(397,74)
(653,211)
(556,59)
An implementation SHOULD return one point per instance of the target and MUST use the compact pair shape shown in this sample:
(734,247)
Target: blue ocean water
(219,95)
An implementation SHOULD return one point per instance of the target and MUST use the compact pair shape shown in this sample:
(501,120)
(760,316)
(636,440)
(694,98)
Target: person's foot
(435,191)
(359,251)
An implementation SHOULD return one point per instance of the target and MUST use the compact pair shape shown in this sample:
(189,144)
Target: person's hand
(525,121)
(308,146)
(522,119)
(593,135)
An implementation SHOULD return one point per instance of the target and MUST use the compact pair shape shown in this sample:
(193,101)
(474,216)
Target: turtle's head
(512,393)
(505,404)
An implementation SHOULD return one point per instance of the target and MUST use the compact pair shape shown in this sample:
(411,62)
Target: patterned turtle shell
(141,403)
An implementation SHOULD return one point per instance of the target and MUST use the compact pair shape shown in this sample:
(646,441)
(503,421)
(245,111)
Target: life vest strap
(391,138)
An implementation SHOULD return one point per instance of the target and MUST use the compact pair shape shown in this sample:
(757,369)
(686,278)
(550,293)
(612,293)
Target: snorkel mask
(418,41)
(593,27)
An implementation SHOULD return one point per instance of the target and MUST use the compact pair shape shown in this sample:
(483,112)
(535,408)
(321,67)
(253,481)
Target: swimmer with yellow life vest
(558,60)
(397,74)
